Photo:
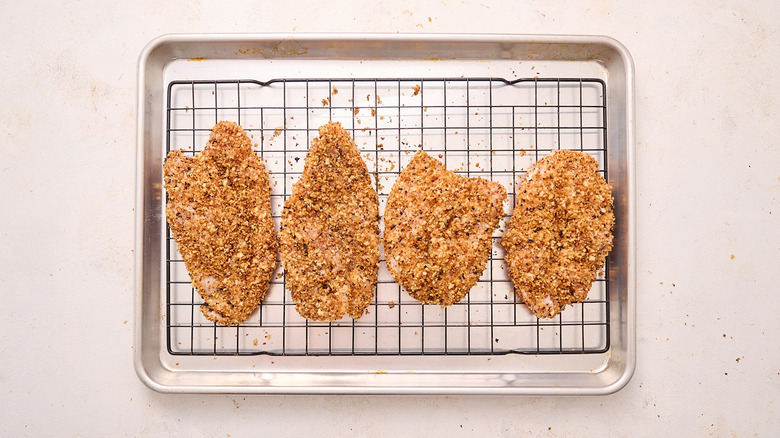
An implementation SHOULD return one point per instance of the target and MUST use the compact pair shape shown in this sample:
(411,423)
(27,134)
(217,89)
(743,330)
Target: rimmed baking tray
(486,105)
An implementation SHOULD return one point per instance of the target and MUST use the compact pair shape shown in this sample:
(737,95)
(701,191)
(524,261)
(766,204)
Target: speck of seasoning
(732,257)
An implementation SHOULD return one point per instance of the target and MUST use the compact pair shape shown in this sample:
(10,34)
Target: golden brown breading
(560,232)
(330,231)
(219,210)
(438,228)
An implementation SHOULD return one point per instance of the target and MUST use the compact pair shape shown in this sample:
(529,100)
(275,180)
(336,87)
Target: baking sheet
(402,346)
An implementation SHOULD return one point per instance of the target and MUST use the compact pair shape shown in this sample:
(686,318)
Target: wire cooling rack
(487,127)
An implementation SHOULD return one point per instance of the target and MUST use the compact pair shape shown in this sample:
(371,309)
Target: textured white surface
(708,179)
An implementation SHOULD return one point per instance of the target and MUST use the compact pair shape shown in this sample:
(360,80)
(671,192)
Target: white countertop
(708,217)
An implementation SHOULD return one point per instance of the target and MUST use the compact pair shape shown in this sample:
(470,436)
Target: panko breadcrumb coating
(560,232)
(219,210)
(438,228)
(330,231)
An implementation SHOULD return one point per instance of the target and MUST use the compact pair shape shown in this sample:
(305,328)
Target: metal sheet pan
(554,67)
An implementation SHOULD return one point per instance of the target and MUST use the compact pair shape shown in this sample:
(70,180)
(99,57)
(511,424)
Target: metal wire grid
(487,127)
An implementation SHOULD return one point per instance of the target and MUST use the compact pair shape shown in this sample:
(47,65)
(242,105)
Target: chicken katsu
(438,228)
(329,239)
(219,211)
(560,232)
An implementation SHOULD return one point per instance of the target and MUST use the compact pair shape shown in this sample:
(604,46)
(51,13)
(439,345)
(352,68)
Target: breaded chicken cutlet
(219,211)
(560,232)
(329,239)
(438,228)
